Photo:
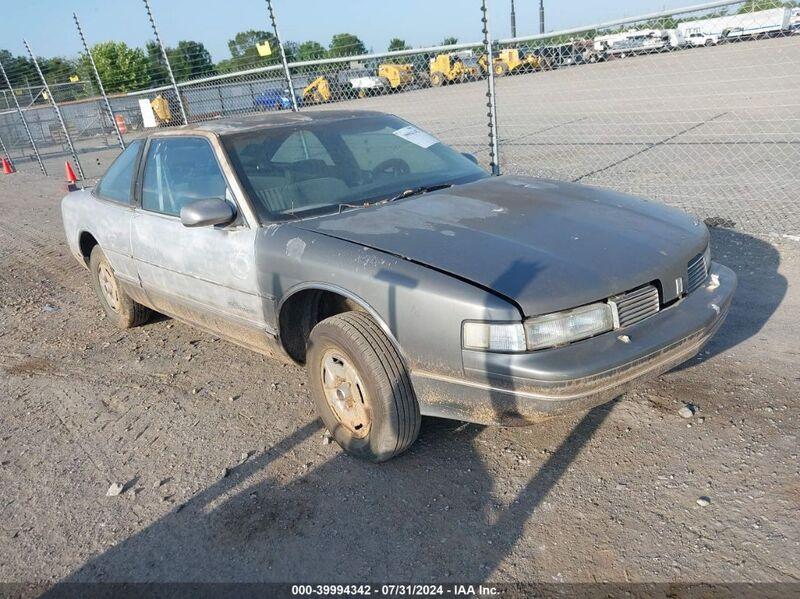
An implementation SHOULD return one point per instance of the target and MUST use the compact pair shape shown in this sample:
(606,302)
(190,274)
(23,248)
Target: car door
(113,212)
(202,274)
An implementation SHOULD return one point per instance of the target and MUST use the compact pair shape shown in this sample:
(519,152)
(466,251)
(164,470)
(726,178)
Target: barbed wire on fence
(693,106)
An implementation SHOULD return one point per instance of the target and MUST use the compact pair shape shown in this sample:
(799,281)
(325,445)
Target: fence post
(56,109)
(494,156)
(166,62)
(286,70)
(99,82)
(24,121)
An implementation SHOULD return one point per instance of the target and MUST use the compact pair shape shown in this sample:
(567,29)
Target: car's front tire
(361,388)
(118,305)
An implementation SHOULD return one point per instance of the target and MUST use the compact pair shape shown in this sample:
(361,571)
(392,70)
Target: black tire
(387,396)
(125,313)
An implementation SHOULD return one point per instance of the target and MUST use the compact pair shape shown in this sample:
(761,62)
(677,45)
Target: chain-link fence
(697,108)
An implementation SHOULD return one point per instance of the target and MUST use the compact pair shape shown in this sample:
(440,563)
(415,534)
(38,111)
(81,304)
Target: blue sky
(47,24)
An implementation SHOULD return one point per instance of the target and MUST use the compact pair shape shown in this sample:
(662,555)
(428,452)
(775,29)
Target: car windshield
(330,165)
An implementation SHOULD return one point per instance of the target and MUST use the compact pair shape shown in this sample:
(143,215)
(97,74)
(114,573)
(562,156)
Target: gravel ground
(226,475)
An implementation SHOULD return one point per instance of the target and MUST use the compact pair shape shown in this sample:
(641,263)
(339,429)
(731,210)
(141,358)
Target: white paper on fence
(148,116)
(416,136)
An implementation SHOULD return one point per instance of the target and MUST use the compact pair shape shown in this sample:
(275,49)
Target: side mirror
(470,157)
(206,213)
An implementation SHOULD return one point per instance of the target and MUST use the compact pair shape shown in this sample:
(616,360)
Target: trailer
(763,22)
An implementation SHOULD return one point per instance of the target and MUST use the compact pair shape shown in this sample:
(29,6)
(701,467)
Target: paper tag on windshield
(415,136)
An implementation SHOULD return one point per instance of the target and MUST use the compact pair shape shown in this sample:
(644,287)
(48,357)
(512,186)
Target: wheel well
(86,243)
(302,311)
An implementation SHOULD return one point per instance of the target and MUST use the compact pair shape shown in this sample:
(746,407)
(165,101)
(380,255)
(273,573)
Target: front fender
(419,308)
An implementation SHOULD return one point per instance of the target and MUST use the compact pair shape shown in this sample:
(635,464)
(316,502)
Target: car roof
(233,125)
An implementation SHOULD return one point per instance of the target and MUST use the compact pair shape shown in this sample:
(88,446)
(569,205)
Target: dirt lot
(227,476)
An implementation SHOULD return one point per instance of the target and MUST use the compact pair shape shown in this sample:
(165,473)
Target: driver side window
(180,170)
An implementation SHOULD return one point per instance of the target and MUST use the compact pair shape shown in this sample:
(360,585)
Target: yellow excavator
(318,91)
(398,75)
(454,67)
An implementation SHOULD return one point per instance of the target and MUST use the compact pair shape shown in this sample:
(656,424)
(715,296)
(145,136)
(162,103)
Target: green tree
(398,44)
(311,50)
(449,41)
(190,60)
(156,67)
(244,52)
(346,44)
(121,68)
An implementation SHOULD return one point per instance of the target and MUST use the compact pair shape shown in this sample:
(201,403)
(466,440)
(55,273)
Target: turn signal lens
(498,337)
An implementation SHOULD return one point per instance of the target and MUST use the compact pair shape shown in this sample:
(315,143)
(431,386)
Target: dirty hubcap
(345,393)
(108,285)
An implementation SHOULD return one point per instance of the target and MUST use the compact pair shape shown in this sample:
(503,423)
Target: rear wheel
(437,79)
(118,305)
(361,388)
(501,69)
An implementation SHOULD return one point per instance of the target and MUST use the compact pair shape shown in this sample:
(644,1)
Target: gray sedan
(407,279)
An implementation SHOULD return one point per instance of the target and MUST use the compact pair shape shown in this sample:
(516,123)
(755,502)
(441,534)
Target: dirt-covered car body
(509,250)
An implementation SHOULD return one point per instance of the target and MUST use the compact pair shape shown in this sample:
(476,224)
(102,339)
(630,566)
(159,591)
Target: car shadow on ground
(759,292)
(428,515)
(433,514)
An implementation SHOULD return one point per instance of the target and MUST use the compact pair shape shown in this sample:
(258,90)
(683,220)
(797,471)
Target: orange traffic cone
(71,178)
(8,168)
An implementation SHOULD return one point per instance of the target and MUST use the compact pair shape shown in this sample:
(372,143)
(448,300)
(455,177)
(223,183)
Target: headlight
(492,336)
(570,325)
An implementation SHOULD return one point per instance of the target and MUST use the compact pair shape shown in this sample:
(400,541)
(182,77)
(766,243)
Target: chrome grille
(636,305)
(698,271)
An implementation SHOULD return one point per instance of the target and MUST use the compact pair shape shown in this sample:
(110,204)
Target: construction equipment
(398,75)
(318,91)
(513,60)
(455,67)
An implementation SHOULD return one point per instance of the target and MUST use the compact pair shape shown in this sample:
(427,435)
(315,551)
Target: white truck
(711,31)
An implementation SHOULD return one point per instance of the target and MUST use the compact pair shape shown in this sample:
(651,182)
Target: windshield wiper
(417,191)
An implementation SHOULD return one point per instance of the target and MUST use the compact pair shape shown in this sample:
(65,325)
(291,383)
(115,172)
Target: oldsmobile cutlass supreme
(407,279)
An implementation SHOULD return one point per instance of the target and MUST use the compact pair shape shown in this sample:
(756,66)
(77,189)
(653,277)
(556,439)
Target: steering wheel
(392,166)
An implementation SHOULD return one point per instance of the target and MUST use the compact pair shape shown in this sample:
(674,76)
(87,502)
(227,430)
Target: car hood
(544,245)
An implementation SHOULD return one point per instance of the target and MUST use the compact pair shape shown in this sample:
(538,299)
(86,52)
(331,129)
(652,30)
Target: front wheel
(118,305)
(361,388)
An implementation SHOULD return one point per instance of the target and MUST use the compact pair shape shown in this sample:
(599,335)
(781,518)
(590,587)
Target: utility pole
(541,16)
(513,20)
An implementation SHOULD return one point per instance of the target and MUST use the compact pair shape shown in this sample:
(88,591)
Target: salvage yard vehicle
(513,60)
(360,82)
(455,67)
(398,75)
(318,91)
(406,278)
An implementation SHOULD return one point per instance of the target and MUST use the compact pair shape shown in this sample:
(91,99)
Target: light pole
(513,21)
(541,16)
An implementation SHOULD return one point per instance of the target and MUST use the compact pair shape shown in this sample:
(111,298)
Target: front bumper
(518,389)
